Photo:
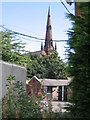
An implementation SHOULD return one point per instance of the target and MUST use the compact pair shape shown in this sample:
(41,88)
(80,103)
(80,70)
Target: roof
(54,82)
(27,81)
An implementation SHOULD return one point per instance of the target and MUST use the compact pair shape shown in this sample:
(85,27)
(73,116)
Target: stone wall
(7,69)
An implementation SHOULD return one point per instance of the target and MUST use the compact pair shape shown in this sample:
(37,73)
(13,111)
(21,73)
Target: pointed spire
(49,18)
(48,29)
(48,48)
(49,12)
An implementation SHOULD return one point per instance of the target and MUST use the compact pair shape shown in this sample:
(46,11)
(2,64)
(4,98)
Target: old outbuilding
(55,89)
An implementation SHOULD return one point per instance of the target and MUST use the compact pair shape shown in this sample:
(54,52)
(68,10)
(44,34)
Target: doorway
(60,93)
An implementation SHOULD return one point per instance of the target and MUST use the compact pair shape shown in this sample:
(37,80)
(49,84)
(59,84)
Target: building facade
(34,86)
(57,90)
(53,89)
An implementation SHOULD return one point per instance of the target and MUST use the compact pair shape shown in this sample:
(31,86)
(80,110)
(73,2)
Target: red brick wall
(34,87)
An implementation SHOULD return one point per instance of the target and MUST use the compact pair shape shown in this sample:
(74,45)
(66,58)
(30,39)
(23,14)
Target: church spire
(49,49)
(49,12)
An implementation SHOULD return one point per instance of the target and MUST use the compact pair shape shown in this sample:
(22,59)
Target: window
(50,27)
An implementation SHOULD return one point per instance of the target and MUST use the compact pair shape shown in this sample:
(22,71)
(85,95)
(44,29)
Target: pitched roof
(27,81)
(54,82)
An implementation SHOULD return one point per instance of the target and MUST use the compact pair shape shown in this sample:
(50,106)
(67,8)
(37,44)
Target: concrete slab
(56,105)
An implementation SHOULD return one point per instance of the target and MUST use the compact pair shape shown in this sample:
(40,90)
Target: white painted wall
(7,69)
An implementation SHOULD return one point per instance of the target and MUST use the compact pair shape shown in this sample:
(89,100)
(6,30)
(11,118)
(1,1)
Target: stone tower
(48,47)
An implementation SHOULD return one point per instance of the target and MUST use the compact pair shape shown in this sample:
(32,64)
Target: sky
(31,18)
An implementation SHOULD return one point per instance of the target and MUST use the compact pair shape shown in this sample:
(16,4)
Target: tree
(79,54)
(47,67)
(55,67)
(43,67)
(12,49)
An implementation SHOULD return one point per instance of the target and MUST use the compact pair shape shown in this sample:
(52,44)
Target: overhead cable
(29,36)
(65,7)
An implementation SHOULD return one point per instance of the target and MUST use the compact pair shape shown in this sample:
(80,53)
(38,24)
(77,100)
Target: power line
(65,7)
(22,34)
(29,36)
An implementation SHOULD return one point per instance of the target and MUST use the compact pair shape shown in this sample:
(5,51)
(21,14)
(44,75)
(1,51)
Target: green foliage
(79,55)
(11,48)
(17,103)
(43,67)
(47,67)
